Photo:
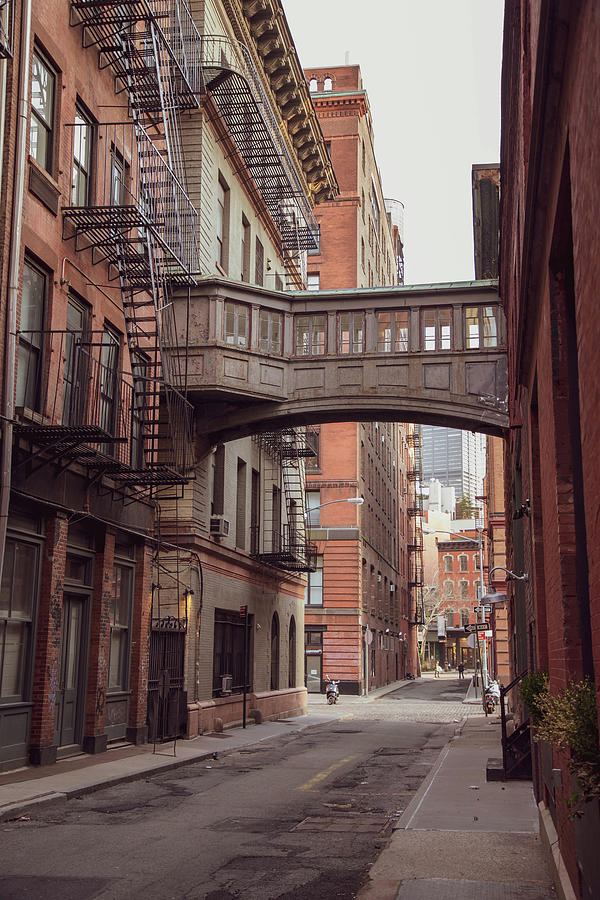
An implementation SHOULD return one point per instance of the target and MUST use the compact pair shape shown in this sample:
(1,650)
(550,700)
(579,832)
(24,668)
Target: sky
(431,69)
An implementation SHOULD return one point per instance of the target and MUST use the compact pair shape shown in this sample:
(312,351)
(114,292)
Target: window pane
(13,642)
(313,501)
(264,329)
(302,335)
(490,333)
(429,329)
(318,336)
(32,303)
(122,605)
(401,323)
(445,320)
(118,656)
(276,333)
(39,142)
(42,90)
(384,332)
(25,571)
(344,337)
(7,576)
(472,327)
(242,338)
(357,336)
(230,323)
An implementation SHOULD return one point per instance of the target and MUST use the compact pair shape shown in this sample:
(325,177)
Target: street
(298,816)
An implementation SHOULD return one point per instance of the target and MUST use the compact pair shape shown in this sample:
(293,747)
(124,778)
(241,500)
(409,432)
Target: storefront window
(17,602)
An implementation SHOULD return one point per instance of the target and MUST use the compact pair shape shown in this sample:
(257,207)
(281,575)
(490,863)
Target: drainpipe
(10,338)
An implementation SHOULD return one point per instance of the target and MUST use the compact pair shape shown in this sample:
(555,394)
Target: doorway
(71,682)
(313,672)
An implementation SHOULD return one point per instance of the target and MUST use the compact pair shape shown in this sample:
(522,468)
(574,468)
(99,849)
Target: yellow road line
(316,779)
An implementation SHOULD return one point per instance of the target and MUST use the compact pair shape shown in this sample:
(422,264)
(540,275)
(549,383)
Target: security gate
(167,700)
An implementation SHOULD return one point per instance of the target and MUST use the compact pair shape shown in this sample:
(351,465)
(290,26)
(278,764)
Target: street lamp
(495,597)
(358,501)
(484,667)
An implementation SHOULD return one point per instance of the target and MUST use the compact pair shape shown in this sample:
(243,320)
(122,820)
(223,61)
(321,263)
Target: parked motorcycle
(332,691)
(409,676)
(492,696)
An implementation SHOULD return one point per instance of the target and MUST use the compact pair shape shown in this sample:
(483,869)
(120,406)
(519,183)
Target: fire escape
(135,215)
(415,526)
(6,28)
(281,537)
(230,78)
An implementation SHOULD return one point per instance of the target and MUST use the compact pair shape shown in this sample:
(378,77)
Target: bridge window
(350,332)
(481,328)
(236,324)
(392,331)
(270,331)
(437,329)
(310,335)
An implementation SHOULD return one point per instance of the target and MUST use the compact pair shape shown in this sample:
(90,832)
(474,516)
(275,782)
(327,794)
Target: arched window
(327,84)
(292,654)
(313,86)
(464,617)
(463,562)
(447,563)
(449,613)
(275,652)
(464,590)
(448,588)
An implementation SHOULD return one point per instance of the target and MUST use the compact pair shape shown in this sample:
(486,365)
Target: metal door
(167,701)
(69,695)
(313,672)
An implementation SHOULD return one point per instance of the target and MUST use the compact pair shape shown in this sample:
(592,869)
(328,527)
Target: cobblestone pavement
(399,706)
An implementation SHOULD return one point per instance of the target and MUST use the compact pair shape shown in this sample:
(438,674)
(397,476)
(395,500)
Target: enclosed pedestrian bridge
(259,360)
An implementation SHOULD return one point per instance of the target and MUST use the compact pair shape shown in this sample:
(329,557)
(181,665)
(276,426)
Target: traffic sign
(480,626)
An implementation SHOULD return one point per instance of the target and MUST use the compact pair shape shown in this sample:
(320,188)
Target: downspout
(12,294)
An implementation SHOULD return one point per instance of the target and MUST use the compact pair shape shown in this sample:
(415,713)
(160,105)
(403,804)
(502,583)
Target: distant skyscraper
(456,458)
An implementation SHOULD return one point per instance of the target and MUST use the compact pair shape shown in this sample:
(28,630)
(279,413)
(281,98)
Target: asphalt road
(301,816)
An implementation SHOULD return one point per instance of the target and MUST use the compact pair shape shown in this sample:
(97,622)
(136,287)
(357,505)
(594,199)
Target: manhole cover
(356,824)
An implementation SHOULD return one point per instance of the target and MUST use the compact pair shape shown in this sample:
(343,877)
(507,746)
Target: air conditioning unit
(226,685)
(219,526)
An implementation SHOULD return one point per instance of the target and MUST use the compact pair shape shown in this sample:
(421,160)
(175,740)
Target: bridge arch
(258,360)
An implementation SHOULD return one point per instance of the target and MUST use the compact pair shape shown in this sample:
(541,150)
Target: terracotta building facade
(358,603)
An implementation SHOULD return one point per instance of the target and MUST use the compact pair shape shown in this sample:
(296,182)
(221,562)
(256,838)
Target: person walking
(461,670)
(438,670)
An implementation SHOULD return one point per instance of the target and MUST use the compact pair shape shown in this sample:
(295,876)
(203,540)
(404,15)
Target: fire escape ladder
(141,221)
(230,78)
(283,541)
(415,538)
(6,28)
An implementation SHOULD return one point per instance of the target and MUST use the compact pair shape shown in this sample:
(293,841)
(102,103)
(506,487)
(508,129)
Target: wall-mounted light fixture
(494,596)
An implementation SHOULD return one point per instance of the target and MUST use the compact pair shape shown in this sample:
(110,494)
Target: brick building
(117,561)
(358,603)
(549,272)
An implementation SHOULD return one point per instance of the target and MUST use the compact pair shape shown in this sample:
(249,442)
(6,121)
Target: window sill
(43,186)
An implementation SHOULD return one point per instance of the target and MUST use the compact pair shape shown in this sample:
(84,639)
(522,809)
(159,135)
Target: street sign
(480,626)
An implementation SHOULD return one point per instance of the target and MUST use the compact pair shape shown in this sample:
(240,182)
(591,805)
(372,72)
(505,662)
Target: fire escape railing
(7,13)
(231,79)
(415,527)
(131,209)
(280,542)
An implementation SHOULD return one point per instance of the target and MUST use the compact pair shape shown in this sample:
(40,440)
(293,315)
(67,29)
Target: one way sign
(480,626)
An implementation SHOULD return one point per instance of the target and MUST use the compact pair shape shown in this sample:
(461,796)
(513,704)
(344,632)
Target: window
(313,281)
(82,158)
(120,619)
(259,263)
(351,332)
(464,617)
(218,482)
(275,652)
(292,654)
(392,331)
(375,209)
(237,322)
(464,589)
(437,329)
(119,178)
(313,502)
(312,85)
(240,506)
(313,592)
(255,512)
(228,650)
(363,155)
(313,439)
(448,563)
(109,363)
(448,589)
(43,97)
(463,563)
(327,84)
(29,372)
(480,327)
(270,331)
(222,224)
(245,249)
(75,370)
(449,614)
(310,335)
(17,602)
(362,253)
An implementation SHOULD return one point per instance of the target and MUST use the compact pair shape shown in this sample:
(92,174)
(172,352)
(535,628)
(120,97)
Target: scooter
(409,676)
(492,696)
(332,691)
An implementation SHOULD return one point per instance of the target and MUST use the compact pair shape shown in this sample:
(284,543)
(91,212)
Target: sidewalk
(462,836)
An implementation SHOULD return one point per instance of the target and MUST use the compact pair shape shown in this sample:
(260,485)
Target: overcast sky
(431,69)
